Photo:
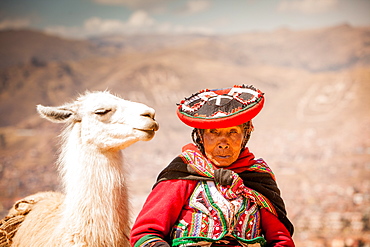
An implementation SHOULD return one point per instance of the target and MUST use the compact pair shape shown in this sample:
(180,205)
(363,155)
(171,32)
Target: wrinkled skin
(222,146)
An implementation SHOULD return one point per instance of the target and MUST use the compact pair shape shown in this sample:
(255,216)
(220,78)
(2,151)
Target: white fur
(94,209)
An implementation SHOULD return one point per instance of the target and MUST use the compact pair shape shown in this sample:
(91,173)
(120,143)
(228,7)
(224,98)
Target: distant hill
(326,49)
(313,130)
(54,68)
(323,49)
(146,42)
(19,47)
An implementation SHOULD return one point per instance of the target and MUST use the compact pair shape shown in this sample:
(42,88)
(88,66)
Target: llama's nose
(150,113)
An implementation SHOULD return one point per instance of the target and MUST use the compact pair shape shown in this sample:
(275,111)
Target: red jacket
(164,204)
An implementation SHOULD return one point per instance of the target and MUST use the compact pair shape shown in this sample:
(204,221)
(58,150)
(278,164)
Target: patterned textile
(257,177)
(151,241)
(220,108)
(206,169)
(214,219)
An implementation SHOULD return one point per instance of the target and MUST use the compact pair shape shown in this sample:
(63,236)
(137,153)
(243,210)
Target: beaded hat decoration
(221,108)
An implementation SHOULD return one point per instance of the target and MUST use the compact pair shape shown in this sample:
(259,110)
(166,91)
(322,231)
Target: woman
(215,193)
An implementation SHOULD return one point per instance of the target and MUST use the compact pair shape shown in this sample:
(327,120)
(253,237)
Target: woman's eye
(102,111)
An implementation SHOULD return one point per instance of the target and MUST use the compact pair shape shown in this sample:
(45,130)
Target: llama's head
(105,120)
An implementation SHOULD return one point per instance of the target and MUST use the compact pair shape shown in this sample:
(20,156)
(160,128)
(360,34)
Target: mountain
(313,130)
(19,47)
(315,50)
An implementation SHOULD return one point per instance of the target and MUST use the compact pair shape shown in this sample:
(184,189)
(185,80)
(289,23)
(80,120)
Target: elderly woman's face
(222,146)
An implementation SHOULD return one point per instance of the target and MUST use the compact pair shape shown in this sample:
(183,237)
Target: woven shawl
(254,178)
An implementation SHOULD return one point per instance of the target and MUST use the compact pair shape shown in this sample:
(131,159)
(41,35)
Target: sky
(85,18)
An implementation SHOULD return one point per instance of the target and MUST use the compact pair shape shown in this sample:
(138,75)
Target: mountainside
(313,131)
(324,49)
(19,47)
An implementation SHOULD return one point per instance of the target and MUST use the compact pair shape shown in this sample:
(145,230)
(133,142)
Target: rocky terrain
(314,130)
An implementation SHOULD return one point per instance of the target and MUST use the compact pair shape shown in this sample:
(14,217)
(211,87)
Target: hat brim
(233,119)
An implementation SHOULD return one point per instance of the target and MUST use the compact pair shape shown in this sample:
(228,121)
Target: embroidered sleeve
(160,212)
(151,241)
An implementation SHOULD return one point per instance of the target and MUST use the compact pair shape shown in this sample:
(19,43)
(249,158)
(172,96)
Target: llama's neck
(96,196)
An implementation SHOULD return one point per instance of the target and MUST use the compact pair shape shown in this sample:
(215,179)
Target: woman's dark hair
(196,136)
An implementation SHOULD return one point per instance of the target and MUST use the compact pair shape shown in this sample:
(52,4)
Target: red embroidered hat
(221,108)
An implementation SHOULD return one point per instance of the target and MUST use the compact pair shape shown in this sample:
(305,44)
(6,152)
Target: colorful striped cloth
(206,169)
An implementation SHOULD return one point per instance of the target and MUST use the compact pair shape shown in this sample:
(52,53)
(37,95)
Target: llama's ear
(56,114)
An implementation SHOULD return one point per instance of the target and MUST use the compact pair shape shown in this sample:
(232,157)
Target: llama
(93,211)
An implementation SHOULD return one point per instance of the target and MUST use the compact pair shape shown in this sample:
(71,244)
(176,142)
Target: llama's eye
(102,111)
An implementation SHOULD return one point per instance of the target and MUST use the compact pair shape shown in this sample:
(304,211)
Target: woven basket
(10,224)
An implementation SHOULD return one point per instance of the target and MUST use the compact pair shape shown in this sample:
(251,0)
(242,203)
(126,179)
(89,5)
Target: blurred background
(310,57)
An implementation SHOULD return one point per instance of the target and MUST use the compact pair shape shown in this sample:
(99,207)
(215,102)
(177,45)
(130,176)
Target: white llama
(94,209)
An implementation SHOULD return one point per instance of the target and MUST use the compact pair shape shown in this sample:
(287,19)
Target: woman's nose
(223,144)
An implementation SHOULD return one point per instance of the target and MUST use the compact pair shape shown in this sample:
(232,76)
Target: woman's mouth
(223,156)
